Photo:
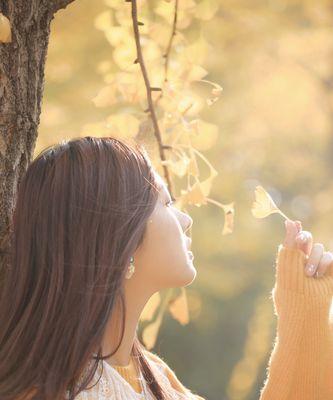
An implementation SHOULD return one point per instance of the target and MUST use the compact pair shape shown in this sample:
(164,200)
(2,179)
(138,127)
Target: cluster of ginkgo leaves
(151,83)
(152,56)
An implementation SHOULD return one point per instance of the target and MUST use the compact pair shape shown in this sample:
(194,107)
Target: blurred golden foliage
(274,125)
(151,81)
(5,29)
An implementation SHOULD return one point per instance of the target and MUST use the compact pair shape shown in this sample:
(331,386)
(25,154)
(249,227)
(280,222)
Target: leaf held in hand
(263,204)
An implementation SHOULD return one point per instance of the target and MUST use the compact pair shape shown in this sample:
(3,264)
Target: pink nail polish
(302,237)
(310,269)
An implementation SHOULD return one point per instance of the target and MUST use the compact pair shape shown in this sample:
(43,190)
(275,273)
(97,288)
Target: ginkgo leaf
(196,72)
(179,308)
(178,167)
(264,204)
(197,51)
(5,29)
(194,195)
(204,134)
(150,332)
(193,168)
(189,103)
(150,307)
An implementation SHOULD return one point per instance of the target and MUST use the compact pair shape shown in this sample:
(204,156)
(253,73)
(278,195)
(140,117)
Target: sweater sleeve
(301,363)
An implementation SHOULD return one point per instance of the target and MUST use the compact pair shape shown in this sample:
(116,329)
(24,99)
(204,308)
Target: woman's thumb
(297,238)
(292,229)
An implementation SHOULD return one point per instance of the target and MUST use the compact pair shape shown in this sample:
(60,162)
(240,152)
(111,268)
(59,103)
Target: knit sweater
(301,363)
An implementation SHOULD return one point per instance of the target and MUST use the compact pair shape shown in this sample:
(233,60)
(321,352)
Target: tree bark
(22,63)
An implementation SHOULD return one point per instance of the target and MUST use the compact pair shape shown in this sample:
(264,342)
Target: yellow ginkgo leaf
(264,204)
(206,185)
(193,168)
(178,167)
(5,30)
(150,332)
(151,306)
(179,308)
(204,134)
(196,72)
(194,195)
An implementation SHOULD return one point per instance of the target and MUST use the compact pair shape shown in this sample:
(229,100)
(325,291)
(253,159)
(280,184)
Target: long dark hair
(80,213)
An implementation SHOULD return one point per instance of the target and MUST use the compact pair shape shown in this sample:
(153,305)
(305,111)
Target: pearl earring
(130,269)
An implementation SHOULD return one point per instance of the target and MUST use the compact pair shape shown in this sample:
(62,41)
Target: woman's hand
(318,260)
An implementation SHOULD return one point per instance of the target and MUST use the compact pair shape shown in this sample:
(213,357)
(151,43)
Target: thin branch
(169,47)
(149,89)
(173,33)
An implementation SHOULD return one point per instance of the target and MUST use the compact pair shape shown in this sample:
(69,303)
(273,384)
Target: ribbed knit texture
(300,366)
(301,363)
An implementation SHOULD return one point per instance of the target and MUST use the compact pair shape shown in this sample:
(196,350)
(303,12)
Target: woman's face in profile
(163,259)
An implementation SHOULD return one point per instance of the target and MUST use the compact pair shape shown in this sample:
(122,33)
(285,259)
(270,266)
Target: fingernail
(310,269)
(302,237)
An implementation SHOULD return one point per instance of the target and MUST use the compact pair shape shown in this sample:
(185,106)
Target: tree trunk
(22,63)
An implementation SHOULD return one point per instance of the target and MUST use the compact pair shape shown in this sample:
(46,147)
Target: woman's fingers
(292,230)
(304,241)
(296,238)
(319,262)
(324,264)
(314,259)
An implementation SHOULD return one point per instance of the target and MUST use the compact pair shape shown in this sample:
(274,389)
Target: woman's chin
(191,273)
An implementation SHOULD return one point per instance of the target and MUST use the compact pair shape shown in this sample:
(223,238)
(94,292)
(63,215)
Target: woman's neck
(135,299)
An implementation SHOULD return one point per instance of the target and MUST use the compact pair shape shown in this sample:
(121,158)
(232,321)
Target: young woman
(94,236)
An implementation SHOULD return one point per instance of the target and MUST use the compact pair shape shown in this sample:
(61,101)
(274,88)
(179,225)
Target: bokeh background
(274,60)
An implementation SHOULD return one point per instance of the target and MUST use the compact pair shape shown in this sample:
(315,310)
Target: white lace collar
(111,385)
